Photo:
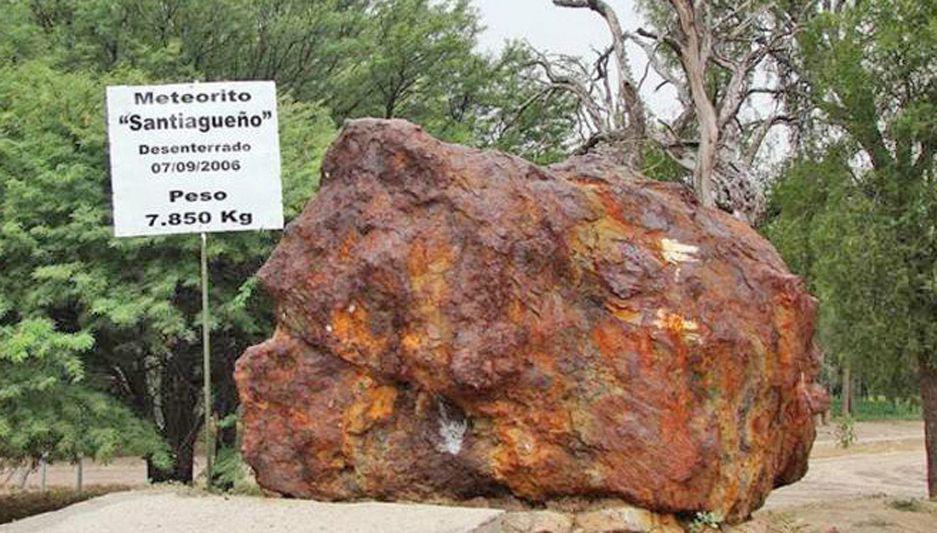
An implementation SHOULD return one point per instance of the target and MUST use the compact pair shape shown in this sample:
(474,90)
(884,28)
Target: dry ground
(167,510)
(873,514)
(888,458)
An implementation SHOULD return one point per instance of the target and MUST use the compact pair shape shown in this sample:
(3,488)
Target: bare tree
(712,53)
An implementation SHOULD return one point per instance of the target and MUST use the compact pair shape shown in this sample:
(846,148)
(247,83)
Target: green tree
(47,411)
(411,59)
(860,219)
(137,298)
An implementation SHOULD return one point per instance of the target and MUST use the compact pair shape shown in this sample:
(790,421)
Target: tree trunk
(180,392)
(847,390)
(706,160)
(694,54)
(181,470)
(24,476)
(79,478)
(226,394)
(929,397)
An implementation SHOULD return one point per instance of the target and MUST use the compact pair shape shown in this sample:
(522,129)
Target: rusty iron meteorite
(455,323)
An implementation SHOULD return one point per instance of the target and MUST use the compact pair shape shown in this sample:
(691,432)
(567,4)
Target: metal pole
(206,363)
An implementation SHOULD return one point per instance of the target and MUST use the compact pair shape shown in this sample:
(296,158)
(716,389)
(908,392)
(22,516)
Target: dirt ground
(873,514)
(887,458)
(875,485)
(177,510)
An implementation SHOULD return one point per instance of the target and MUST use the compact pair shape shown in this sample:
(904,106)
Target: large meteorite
(454,322)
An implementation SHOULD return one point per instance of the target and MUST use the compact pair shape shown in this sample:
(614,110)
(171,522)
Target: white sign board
(194,157)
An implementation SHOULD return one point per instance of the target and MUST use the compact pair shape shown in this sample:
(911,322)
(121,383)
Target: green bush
(845,431)
(866,409)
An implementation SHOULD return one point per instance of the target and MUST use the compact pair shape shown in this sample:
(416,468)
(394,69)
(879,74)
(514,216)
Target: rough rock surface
(617,519)
(456,323)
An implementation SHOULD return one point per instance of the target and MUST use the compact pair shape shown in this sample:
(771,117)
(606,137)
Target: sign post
(195,158)
(206,363)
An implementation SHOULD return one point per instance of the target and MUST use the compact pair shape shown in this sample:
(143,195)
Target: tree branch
(761,133)
(633,104)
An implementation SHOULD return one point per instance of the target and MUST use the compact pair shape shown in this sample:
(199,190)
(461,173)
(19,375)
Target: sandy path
(163,510)
(888,458)
(897,474)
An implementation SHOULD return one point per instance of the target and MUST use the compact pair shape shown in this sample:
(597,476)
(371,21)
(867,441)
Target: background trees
(48,411)
(858,213)
(134,302)
(127,310)
(722,60)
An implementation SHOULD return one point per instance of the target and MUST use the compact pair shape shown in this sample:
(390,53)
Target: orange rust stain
(344,249)
(382,402)
(611,205)
(517,459)
(531,465)
(351,327)
(607,337)
(620,310)
(673,322)
(330,457)
(601,237)
(400,161)
(372,405)
(675,422)
(602,197)
(410,341)
(786,322)
(427,264)
(551,419)
(613,341)
(299,418)
(515,311)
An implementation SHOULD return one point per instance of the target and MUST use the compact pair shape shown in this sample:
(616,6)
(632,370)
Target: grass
(785,522)
(867,409)
(23,504)
(913,505)
(910,505)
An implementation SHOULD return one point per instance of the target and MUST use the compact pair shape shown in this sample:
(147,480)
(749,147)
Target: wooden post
(80,477)
(206,364)
(847,390)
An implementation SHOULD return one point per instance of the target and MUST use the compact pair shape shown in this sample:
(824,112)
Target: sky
(547,27)
(568,31)
(580,31)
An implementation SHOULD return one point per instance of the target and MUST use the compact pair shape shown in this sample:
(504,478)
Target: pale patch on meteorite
(328,327)
(452,429)
(671,321)
(675,252)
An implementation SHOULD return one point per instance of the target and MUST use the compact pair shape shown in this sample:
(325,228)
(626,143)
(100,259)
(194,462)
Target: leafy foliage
(857,217)
(136,298)
(412,59)
(46,410)
(845,431)
(134,303)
